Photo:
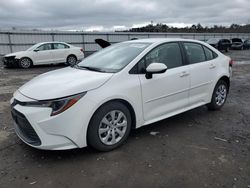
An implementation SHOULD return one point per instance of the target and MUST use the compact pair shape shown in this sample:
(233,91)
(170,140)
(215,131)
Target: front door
(43,54)
(165,93)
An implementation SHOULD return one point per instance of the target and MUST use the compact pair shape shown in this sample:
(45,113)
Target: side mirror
(36,50)
(155,68)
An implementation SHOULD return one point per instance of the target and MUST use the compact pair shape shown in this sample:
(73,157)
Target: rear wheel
(25,63)
(71,60)
(109,127)
(219,96)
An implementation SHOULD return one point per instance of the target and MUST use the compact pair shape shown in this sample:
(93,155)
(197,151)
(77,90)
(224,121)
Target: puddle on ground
(3,136)
(3,106)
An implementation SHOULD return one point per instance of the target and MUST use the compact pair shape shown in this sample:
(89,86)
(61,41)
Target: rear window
(60,46)
(209,53)
(195,52)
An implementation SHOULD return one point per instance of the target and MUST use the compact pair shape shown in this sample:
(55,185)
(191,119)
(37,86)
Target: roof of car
(156,40)
(51,42)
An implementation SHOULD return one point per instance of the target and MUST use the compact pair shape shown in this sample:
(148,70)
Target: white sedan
(126,85)
(45,53)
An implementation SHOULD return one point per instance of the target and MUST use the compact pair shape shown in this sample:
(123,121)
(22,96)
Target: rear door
(165,93)
(43,54)
(60,52)
(203,67)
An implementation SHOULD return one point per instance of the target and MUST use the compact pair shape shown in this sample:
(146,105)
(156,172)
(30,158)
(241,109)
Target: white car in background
(45,53)
(126,85)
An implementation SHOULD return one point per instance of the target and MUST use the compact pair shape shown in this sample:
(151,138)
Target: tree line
(234,28)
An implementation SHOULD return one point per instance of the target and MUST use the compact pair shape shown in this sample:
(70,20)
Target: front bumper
(10,61)
(37,128)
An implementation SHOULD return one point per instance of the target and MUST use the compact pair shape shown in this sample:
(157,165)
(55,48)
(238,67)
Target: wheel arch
(32,62)
(226,79)
(124,102)
(18,62)
(71,55)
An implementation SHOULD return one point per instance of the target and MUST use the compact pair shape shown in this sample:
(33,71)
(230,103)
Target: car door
(166,93)
(202,67)
(43,54)
(60,52)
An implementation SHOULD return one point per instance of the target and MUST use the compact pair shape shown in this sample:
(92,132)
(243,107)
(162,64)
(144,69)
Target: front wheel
(109,127)
(25,63)
(219,96)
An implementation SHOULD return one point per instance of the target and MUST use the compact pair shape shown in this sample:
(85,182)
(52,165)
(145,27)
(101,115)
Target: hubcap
(25,63)
(221,94)
(71,60)
(112,127)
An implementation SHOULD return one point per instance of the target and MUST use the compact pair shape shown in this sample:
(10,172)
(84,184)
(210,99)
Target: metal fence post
(52,36)
(10,43)
(108,37)
(83,42)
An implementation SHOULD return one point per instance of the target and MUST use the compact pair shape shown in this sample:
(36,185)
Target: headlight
(58,105)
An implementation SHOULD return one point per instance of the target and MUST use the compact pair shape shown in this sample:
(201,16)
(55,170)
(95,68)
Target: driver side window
(168,54)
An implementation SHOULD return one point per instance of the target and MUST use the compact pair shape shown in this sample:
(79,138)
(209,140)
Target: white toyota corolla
(124,86)
(45,53)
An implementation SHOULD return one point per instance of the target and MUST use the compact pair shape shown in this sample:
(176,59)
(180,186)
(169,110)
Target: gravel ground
(198,148)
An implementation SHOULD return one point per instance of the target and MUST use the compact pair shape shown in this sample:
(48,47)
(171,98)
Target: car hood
(63,82)
(15,54)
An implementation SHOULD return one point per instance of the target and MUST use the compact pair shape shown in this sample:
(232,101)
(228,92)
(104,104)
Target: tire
(103,134)
(71,60)
(219,96)
(25,63)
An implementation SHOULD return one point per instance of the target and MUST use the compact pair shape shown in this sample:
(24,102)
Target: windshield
(113,58)
(33,47)
(213,40)
(236,40)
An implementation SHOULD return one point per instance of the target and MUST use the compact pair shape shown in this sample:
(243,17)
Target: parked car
(45,53)
(237,44)
(126,85)
(220,44)
(246,44)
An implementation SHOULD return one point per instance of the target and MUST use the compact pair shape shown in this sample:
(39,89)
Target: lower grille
(24,129)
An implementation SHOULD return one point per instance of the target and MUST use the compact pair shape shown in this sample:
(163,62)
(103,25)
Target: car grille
(24,129)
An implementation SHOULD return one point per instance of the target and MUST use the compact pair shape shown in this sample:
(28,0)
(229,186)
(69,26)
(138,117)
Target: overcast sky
(119,14)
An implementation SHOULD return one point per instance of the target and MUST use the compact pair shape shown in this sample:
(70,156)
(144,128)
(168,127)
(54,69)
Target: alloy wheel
(71,60)
(221,95)
(112,127)
(25,63)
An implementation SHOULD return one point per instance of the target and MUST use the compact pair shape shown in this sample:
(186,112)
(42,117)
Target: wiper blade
(91,68)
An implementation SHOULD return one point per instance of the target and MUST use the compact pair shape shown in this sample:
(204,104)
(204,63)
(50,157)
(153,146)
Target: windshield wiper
(91,68)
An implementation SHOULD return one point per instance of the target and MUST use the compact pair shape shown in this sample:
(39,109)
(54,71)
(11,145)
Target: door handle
(184,73)
(212,66)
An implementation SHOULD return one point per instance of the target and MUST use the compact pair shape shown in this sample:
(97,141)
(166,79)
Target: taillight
(81,50)
(231,62)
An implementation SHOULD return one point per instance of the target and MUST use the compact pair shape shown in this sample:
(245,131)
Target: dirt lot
(198,148)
